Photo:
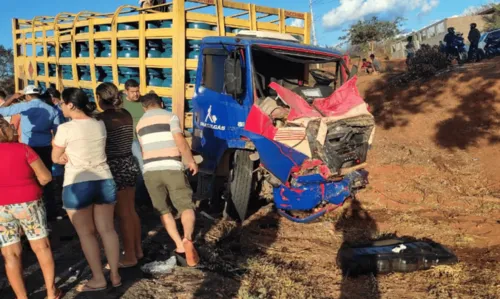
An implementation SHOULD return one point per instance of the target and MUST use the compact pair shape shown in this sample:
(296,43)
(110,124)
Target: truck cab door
(218,117)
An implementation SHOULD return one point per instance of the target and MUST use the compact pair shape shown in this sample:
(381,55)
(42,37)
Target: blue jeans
(137,153)
(141,193)
(82,195)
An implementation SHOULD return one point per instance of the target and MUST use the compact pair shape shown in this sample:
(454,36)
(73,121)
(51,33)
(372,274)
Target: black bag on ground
(394,255)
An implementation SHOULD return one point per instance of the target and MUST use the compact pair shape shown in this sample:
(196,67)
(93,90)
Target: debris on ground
(160,267)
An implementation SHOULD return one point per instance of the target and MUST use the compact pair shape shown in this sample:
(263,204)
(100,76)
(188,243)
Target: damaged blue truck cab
(261,124)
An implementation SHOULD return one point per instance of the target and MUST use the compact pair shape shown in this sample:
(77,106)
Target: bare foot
(56,294)
(123,264)
(192,257)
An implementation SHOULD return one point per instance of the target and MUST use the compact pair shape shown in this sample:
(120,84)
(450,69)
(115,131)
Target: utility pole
(315,41)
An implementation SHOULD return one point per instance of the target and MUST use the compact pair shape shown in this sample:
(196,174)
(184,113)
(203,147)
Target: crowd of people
(448,44)
(57,145)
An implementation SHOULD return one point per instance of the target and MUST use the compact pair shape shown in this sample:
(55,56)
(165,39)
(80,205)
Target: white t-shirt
(84,141)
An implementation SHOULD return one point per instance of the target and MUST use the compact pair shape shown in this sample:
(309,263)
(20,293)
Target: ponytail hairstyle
(109,95)
(79,99)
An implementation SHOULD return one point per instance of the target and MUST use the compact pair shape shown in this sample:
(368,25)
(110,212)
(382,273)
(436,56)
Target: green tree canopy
(6,70)
(493,20)
(373,30)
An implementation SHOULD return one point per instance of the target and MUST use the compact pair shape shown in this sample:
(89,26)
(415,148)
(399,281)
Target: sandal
(117,285)
(84,288)
(192,257)
(180,258)
(59,294)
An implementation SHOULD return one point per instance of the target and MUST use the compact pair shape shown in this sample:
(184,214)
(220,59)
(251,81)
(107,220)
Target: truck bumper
(311,191)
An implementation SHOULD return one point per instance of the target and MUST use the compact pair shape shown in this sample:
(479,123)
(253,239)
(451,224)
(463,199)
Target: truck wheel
(240,184)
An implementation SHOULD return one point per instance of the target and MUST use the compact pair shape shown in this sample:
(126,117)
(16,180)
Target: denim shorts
(82,195)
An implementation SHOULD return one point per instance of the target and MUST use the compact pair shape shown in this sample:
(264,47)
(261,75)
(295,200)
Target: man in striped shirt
(163,147)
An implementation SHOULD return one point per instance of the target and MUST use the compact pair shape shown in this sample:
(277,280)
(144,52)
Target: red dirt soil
(434,170)
(434,173)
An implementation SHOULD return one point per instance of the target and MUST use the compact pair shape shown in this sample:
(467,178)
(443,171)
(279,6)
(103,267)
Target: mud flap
(397,255)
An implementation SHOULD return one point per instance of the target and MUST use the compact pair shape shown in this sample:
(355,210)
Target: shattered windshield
(310,75)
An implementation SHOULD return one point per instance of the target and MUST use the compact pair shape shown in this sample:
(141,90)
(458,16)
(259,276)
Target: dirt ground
(434,173)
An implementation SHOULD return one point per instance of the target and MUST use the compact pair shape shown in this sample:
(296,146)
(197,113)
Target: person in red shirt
(367,66)
(22,175)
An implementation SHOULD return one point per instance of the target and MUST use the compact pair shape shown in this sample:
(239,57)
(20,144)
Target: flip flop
(180,258)
(87,289)
(192,257)
(117,285)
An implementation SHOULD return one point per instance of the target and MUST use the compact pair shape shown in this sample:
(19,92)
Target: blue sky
(331,16)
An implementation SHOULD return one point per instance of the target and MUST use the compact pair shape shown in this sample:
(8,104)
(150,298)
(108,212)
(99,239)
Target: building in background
(433,34)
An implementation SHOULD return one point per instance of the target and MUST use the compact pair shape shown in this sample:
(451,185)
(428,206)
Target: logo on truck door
(211,120)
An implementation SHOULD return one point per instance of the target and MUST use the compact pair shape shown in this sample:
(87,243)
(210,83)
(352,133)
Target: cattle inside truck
(271,111)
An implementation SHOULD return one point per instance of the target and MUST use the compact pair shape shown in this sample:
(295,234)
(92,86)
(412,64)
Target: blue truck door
(218,117)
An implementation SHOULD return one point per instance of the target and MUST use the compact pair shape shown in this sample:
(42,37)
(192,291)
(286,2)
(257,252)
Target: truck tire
(241,183)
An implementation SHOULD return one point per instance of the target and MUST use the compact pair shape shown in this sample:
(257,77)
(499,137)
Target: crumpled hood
(345,105)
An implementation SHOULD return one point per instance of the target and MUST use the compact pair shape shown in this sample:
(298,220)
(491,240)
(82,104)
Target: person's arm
(15,109)
(56,122)
(59,147)
(182,145)
(15,120)
(11,99)
(42,174)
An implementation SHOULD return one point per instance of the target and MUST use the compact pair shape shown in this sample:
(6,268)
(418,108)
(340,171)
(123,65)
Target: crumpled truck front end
(315,155)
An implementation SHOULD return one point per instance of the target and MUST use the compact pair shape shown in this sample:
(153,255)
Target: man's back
(474,36)
(155,132)
(448,38)
(38,120)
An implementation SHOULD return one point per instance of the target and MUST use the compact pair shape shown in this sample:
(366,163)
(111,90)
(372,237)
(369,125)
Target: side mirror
(353,72)
(233,76)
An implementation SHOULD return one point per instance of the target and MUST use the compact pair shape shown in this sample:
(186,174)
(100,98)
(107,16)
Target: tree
(476,10)
(6,70)
(364,33)
(493,20)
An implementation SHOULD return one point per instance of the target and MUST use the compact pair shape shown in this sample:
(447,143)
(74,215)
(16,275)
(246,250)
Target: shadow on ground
(357,227)
(467,95)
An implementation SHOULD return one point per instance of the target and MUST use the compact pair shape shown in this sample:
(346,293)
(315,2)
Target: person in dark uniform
(448,39)
(474,37)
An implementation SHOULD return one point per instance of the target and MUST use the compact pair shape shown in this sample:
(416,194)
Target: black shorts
(124,170)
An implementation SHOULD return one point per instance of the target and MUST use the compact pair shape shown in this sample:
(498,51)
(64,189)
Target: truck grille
(345,143)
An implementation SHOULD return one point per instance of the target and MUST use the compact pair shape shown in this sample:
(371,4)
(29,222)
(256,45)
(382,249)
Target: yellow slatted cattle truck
(158,45)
